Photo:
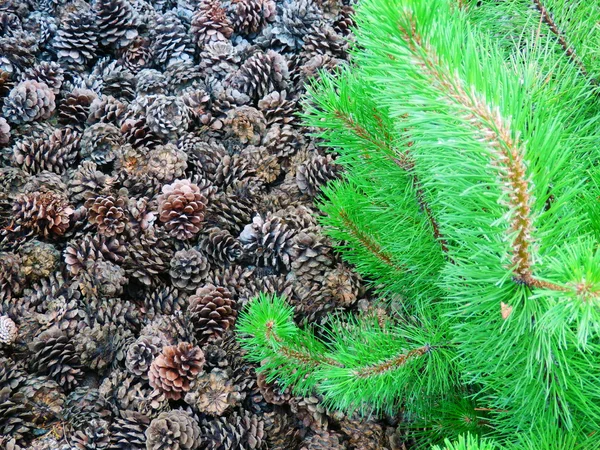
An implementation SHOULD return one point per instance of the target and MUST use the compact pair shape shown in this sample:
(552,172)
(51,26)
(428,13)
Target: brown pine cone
(262,74)
(271,391)
(8,331)
(181,207)
(168,116)
(324,41)
(83,405)
(140,355)
(137,133)
(4,131)
(310,412)
(127,431)
(149,255)
(15,416)
(116,23)
(172,41)
(213,393)
(103,345)
(323,440)
(281,431)
(91,248)
(87,181)
(363,434)
(210,23)
(48,72)
(265,164)
(212,311)
(343,285)
(55,152)
(75,108)
(270,241)
(250,16)
(39,259)
(220,246)
(108,214)
(164,300)
(101,142)
(283,140)
(316,172)
(166,163)
(219,59)
(188,269)
(107,109)
(241,431)
(94,435)
(313,255)
(46,214)
(101,279)
(175,368)
(296,20)
(28,101)
(54,354)
(173,430)
(246,124)
(137,56)
(127,392)
(277,108)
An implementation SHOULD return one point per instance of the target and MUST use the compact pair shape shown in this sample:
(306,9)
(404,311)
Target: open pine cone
(212,311)
(181,208)
(173,430)
(175,368)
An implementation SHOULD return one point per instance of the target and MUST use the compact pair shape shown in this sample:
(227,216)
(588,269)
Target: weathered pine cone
(4,131)
(55,153)
(149,255)
(102,279)
(172,42)
(137,56)
(101,142)
(48,72)
(168,116)
(108,214)
(246,124)
(210,23)
(277,108)
(87,181)
(75,108)
(77,39)
(213,393)
(250,16)
(220,246)
(28,101)
(39,260)
(188,269)
(46,214)
(212,311)
(8,330)
(80,252)
(103,345)
(140,355)
(173,430)
(262,74)
(127,431)
(116,23)
(323,440)
(107,108)
(219,59)
(181,207)
(271,391)
(313,255)
(270,241)
(297,19)
(316,172)
(240,430)
(175,368)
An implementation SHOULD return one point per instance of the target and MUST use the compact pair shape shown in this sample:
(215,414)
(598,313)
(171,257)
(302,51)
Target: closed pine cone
(173,370)
(212,311)
(188,269)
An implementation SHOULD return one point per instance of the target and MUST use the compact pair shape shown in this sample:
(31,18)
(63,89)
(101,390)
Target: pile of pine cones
(154,178)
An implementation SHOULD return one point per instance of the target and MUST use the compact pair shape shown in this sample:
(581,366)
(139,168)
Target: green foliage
(470,137)
(467,443)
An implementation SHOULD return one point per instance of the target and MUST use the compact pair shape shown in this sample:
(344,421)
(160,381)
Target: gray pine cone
(188,269)
(173,430)
(28,101)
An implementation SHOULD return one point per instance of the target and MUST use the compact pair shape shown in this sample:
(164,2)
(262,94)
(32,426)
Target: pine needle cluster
(469,134)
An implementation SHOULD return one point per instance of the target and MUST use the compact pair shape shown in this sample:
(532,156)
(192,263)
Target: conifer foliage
(469,136)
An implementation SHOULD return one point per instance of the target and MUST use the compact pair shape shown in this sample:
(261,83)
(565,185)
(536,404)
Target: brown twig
(392,363)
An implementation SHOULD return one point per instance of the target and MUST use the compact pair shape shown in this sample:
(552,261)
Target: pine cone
(94,435)
(75,108)
(212,311)
(171,329)
(245,123)
(101,279)
(219,59)
(316,172)
(87,181)
(313,255)
(230,211)
(18,51)
(46,214)
(172,42)
(140,355)
(265,164)
(91,248)
(29,101)
(103,345)
(270,241)
(343,285)
(50,73)
(323,440)
(166,163)
(15,416)
(271,391)
(4,131)
(137,56)
(240,430)
(262,74)
(310,412)
(344,22)
(127,392)
(210,23)
(83,405)
(107,109)
(213,393)
(77,39)
(234,277)
(149,255)
(188,269)
(220,246)
(298,18)
(281,431)
(173,430)
(127,431)
(101,142)
(108,214)
(12,280)
(55,355)
(168,116)
(39,260)
(277,108)
(55,153)
(116,23)
(324,41)
(123,313)
(250,16)
(283,141)
(8,331)
(363,434)
(181,207)
(163,301)
(172,371)
(137,133)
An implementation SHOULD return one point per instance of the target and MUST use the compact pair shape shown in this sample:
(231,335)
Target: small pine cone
(12,280)
(277,108)
(283,141)
(106,109)
(137,133)
(203,157)
(168,116)
(8,331)
(173,430)
(46,214)
(171,42)
(103,345)
(183,75)
(149,255)
(210,23)
(278,285)
(141,217)
(212,311)
(123,313)
(316,172)
(297,19)
(324,41)
(343,285)
(91,248)
(140,355)
(137,56)
(250,16)
(313,255)
(93,436)
(102,279)
(116,23)
(271,391)
(213,393)
(220,246)
(166,163)
(39,260)
(246,124)
(127,431)
(181,207)
(188,269)
(233,169)
(262,74)
(324,440)
(9,443)
(101,142)
(310,412)
(219,59)
(55,355)
(363,434)
(50,73)
(241,430)
(87,181)
(344,22)
(75,108)
(175,368)
(270,241)
(265,164)
(55,152)
(311,68)
(77,39)
(29,101)
(4,131)
(108,214)
(234,277)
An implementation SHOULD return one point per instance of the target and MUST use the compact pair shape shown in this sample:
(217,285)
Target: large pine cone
(171,42)
(116,23)
(270,241)
(262,74)
(213,393)
(173,370)
(240,430)
(181,207)
(316,172)
(46,214)
(210,23)
(212,311)
(77,39)
(55,153)
(108,214)
(173,430)
(221,247)
(188,269)
(250,16)
(28,101)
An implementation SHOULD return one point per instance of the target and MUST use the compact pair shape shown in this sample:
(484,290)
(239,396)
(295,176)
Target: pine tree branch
(392,363)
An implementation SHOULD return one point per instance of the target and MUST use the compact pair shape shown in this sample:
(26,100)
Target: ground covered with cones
(154,178)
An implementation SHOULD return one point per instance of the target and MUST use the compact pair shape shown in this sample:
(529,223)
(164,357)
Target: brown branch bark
(392,363)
